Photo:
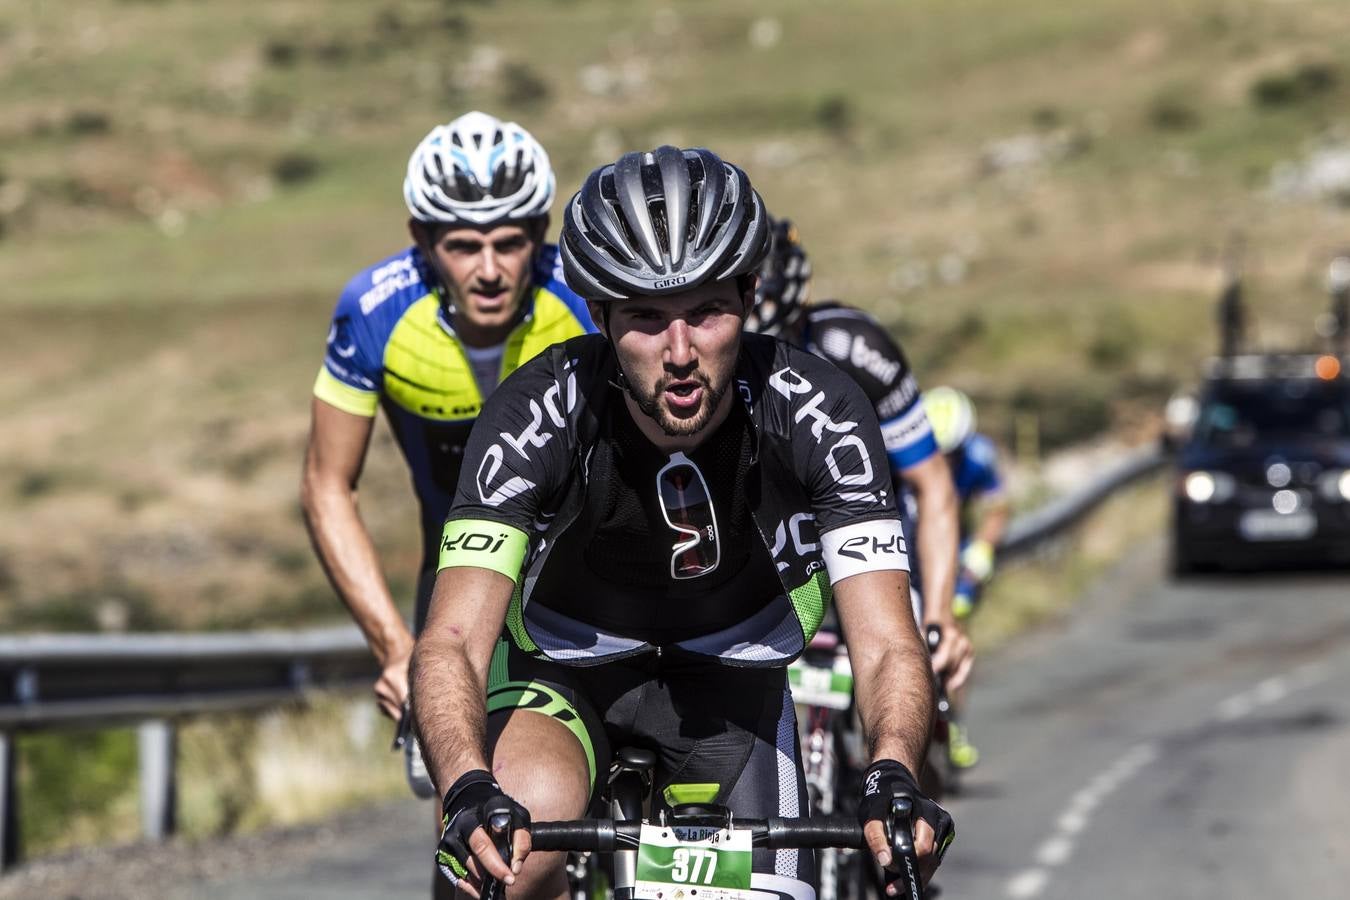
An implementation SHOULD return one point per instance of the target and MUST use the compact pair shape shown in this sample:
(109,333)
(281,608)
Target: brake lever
(904,858)
(933,635)
(498,819)
(403,730)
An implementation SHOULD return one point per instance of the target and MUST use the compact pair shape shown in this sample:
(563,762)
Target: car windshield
(1238,414)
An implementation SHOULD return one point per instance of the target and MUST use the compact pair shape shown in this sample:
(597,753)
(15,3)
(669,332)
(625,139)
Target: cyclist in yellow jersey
(427,334)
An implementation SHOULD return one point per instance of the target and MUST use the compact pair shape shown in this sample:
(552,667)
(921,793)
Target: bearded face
(678,352)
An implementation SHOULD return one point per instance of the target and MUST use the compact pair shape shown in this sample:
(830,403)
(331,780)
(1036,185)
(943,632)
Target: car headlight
(1200,487)
(1208,487)
(1335,485)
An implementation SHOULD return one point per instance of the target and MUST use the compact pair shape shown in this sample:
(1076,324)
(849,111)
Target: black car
(1264,477)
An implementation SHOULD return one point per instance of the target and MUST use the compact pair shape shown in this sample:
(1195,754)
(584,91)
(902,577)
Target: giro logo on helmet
(661,221)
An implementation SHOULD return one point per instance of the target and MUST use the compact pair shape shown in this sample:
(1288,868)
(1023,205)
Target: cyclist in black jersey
(860,346)
(426,334)
(649,526)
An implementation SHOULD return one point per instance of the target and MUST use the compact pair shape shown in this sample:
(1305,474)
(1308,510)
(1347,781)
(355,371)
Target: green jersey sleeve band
(344,396)
(487,545)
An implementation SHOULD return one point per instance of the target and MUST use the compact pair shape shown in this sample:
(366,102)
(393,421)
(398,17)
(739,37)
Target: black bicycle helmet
(661,222)
(784,282)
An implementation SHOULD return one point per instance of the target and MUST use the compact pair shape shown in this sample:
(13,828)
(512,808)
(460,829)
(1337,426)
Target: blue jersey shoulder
(978,471)
(370,306)
(548,274)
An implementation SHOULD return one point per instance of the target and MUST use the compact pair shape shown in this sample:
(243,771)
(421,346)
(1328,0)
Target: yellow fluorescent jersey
(390,345)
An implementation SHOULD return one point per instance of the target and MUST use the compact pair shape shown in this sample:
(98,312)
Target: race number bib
(831,687)
(693,863)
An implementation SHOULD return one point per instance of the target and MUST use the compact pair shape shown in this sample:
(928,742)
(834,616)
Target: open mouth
(490,297)
(684,395)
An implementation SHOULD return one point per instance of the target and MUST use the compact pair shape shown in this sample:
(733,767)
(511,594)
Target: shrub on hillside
(295,168)
(333,52)
(834,114)
(1065,414)
(1171,112)
(77,787)
(523,86)
(1276,89)
(84,122)
(281,53)
(1046,118)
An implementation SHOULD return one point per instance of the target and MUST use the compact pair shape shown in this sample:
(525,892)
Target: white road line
(1056,851)
(1028,884)
(1077,815)
(1271,690)
(1059,847)
(1073,821)
(1234,708)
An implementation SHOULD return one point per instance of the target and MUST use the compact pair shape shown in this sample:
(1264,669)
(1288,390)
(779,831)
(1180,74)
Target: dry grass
(184,188)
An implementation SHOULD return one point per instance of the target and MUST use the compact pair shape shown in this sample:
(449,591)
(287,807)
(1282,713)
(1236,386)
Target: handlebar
(808,833)
(606,835)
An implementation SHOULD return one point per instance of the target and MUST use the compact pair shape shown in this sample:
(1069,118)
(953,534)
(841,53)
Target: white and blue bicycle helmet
(478,170)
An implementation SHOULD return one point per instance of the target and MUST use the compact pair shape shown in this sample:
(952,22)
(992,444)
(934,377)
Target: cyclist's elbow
(320,489)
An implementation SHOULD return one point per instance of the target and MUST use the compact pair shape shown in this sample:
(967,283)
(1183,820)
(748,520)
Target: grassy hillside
(1034,196)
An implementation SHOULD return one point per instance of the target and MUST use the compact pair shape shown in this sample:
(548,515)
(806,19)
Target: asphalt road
(1165,741)
(1169,741)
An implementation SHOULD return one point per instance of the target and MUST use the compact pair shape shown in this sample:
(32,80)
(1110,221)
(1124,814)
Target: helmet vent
(659,225)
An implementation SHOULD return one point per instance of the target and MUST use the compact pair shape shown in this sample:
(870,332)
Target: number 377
(693,865)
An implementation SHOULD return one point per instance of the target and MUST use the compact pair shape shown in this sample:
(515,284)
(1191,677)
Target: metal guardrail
(1031,528)
(56,680)
(69,679)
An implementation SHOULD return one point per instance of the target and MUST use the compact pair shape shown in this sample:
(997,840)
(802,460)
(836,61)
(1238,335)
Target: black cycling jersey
(620,577)
(859,344)
(641,575)
(816,485)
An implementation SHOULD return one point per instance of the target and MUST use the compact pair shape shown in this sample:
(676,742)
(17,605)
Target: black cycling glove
(880,783)
(465,810)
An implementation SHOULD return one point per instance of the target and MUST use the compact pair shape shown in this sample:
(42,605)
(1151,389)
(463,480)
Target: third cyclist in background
(859,345)
(985,511)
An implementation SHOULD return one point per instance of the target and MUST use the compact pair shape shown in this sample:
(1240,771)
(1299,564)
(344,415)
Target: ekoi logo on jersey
(847,472)
(870,546)
(865,548)
(474,541)
(495,492)
(800,530)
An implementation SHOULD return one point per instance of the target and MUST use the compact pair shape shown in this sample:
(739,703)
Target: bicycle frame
(832,762)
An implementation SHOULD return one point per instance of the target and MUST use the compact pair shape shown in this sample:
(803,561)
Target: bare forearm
(892,682)
(938,540)
(450,666)
(348,556)
(896,706)
(448,705)
(994,523)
